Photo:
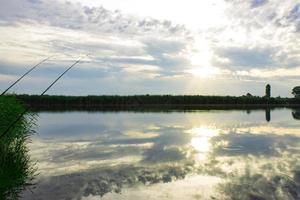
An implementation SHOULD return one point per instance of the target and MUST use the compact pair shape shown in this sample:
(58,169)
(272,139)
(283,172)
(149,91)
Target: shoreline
(161,107)
(155,102)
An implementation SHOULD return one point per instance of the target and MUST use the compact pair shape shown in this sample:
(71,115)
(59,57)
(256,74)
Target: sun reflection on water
(201,140)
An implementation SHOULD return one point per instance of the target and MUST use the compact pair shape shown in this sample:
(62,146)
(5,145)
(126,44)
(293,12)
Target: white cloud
(272,73)
(157,40)
(194,14)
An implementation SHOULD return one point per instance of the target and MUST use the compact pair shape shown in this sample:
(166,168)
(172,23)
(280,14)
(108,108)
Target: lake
(203,154)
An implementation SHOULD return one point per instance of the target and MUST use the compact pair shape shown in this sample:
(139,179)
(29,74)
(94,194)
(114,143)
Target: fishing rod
(35,66)
(27,109)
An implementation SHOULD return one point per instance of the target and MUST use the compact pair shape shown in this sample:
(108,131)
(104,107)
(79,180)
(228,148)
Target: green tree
(268,90)
(296,91)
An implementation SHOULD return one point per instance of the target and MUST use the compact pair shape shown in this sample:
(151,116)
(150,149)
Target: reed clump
(16,168)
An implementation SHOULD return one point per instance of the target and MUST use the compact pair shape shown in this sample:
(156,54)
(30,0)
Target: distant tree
(296,91)
(249,95)
(268,90)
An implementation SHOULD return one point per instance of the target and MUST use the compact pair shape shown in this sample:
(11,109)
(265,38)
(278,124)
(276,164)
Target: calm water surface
(167,155)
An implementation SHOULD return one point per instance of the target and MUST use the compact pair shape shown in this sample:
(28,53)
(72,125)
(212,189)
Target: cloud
(246,57)
(294,16)
(295,13)
(258,3)
(292,73)
(75,16)
(252,144)
(112,39)
(262,38)
(240,36)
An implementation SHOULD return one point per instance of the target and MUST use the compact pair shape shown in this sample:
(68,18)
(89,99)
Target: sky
(217,47)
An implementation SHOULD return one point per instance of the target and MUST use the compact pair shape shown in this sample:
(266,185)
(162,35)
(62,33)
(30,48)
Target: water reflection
(296,114)
(268,114)
(200,141)
(242,156)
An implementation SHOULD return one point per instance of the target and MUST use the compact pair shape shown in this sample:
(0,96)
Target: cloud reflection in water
(129,149)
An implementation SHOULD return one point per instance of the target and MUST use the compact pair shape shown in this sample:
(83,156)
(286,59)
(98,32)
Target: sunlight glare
(201,59)
(201,140)
(203,53)
(204,72)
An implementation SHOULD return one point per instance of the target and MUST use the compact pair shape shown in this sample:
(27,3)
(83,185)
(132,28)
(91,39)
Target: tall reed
(16,168)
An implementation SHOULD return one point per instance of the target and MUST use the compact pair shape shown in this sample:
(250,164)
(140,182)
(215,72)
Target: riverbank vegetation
(154,101)
(16,169)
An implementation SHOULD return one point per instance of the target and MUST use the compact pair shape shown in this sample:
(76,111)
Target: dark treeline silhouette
(83,102)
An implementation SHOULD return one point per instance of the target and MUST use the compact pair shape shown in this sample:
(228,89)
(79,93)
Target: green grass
(16,169)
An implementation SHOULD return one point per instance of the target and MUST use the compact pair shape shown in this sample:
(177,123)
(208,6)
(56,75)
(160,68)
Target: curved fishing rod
(60,76)
(35,66)
(27,109)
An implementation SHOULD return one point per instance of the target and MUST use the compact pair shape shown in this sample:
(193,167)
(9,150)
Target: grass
(16,169)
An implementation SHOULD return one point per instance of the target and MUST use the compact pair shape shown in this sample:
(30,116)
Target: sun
(204,72)
(201,58)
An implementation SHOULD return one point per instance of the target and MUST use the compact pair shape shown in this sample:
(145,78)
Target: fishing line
(35,66)
(27,109)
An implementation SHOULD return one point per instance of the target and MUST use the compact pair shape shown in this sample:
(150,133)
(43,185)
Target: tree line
(144,100)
